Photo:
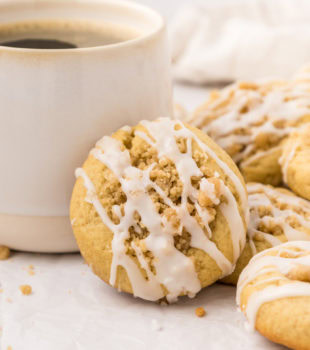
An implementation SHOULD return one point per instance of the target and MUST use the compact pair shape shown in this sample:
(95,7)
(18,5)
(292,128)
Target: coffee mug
(56,103)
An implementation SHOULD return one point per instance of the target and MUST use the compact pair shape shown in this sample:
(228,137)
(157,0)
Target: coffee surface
(63,34)
(39,44)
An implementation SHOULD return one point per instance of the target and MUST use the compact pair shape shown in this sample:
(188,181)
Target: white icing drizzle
(285,160)
(174,270)
(263,264)
(209,188)
(150,289)
(291,147)
(272,293)
(162,131)
(271,108)
(261,195)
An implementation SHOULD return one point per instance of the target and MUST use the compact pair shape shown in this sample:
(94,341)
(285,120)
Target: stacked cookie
(295,161)
(265,128)
(252,122)
(277,215)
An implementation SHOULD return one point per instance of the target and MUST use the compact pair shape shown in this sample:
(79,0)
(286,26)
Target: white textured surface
(71,309)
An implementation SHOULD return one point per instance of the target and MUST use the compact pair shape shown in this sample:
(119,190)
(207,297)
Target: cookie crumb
(9,348)
(25,289)
(31,270)
(9,300)
(4,252)
(1,290)
(200,312)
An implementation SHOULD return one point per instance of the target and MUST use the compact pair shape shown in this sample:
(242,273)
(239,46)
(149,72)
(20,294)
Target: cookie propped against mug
(159,210)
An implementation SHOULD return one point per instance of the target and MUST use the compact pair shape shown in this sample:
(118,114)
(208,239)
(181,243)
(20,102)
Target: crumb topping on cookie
(251,119)
(275,273)
(164,203)
(276,216)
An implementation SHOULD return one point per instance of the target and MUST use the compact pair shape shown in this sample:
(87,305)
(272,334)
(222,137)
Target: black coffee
(39,44)
(63,34)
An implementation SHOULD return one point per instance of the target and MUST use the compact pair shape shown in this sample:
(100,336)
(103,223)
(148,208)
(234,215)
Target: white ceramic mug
(56,103)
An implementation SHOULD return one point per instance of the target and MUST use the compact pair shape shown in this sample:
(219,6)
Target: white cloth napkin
(220,41)
(71,309)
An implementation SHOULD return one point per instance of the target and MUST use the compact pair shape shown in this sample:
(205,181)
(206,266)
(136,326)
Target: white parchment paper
(71,309)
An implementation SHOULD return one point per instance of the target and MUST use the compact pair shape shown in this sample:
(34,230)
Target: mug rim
(160,27)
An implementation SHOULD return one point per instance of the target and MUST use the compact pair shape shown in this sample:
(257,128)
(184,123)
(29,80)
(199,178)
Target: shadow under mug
(55,104)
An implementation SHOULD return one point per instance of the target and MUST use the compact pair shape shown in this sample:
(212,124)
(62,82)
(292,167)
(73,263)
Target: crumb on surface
(9,300)
(4,252)
(31,270)
(200,312)
(25,289)
(9,348)
(1,290)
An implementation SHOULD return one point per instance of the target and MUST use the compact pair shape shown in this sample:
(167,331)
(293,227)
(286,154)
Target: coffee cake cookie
(159,210)
(250,121)
(276,216)
(274,294)
(295,162)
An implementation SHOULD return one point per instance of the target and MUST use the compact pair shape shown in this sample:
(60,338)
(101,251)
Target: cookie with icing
(295,162)
(159,210)
(251,120)
(277,215)
(273,292)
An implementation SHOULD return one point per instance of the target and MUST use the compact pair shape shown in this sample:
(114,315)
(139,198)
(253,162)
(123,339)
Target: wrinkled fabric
(221,41)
